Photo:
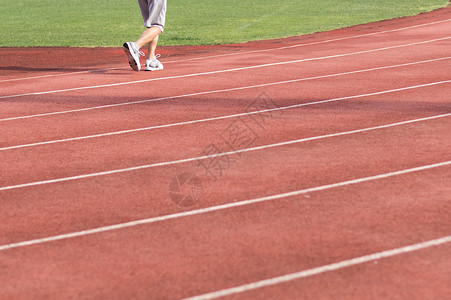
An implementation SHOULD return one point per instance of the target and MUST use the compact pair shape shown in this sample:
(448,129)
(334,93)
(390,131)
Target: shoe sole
(132,61)
(153,69)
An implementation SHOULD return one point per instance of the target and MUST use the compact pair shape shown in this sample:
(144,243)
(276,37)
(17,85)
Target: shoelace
(136,50)
(157,56)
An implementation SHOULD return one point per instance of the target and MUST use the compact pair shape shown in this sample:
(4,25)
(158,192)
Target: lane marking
(216,91)
(239,53)
(315,43)
(216,118)
(63,74)
(221,71)
(192,159)
(219,207)
(323,269)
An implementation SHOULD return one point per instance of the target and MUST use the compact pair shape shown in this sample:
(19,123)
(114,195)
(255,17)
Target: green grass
(92,23)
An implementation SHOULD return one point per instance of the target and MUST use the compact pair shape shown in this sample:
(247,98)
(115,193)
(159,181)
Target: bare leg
(152,46)
(148,36)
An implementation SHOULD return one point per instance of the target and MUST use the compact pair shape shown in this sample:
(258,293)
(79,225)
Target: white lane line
(240,53)
(222,71)
(218,91)
(220,207)
(311,43)
(218,118)
(326,268)
(63,74)
(192,159)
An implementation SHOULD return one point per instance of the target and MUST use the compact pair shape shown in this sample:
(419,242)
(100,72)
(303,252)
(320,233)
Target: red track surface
(88,147)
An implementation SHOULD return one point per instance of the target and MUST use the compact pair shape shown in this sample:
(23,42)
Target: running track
(324,163)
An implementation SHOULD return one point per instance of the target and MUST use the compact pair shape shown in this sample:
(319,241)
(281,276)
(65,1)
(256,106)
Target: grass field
(93,23)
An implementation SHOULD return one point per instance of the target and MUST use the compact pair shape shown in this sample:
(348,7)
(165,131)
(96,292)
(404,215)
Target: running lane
(393,122)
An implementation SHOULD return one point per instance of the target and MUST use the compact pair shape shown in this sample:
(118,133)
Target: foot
(133,53)
(153,64)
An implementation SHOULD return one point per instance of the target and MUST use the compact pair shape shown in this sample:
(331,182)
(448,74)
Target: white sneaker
(153,64)
(133,53)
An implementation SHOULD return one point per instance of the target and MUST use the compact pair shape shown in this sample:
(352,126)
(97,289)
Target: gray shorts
(153,12)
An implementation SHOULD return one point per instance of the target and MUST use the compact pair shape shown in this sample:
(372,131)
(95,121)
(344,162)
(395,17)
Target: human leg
(154,16)
(148,36)
(151,47)
(152,63)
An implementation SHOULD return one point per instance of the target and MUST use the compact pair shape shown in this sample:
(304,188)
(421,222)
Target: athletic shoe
(153,64)
(133,53)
